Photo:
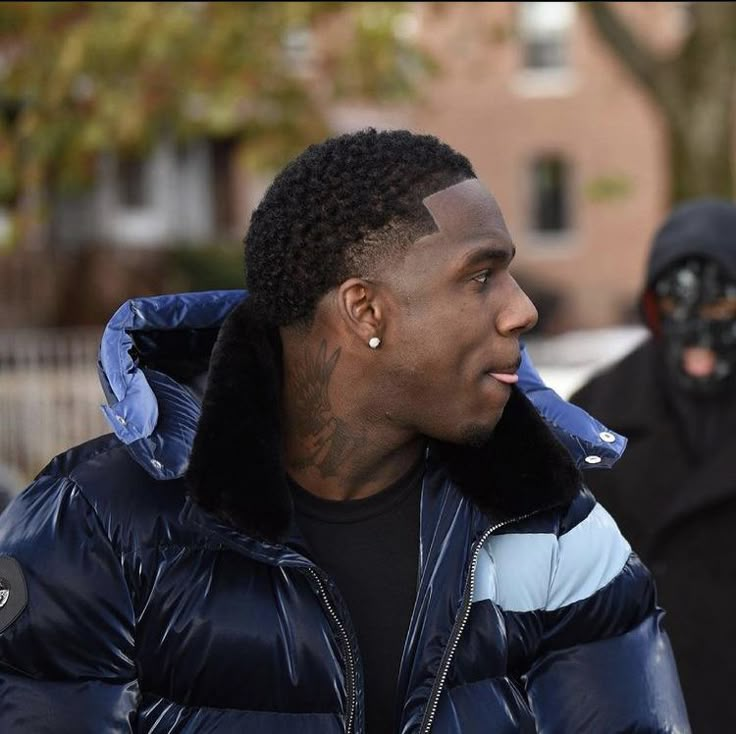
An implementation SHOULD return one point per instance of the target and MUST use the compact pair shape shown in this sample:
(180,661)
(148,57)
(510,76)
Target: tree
(77,78)
(692,88)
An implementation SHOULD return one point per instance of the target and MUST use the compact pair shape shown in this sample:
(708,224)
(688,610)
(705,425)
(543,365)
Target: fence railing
(49,395)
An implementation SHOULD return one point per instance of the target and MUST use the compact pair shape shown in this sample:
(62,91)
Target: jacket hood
(152,364)
(704,227)
(157,353)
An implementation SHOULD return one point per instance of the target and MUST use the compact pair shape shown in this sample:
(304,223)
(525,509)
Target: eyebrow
(484,254)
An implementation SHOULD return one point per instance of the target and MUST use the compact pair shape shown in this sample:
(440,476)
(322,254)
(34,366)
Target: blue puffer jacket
(128,604)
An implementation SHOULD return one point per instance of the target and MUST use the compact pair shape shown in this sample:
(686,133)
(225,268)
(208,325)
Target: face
(696,302)
(451,342)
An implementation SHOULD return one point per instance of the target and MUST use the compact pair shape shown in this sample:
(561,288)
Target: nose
(518,314)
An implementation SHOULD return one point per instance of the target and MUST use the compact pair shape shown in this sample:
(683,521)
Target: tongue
(504,377)
(698,361)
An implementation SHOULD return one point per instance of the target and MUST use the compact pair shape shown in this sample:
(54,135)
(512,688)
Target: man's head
(338,210)
(390,236)
(690,297)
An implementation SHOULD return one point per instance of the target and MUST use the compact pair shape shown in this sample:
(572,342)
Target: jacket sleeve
(66,621)
(604,662)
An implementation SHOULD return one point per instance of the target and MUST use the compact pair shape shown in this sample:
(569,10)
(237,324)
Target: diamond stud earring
(374,342)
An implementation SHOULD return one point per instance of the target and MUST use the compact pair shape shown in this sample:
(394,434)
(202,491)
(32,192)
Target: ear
(361,309)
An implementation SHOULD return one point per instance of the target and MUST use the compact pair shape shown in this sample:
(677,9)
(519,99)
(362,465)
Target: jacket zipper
(351,683)
(439,681)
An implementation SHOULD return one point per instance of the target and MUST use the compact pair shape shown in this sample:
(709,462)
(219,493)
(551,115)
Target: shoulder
(101,480)
(554,559)
(604,389)
(60,552)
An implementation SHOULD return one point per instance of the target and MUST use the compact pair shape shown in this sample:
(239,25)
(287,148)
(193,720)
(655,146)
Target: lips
(508,378)
(506,375)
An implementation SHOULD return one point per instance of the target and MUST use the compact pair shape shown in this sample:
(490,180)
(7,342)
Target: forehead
(467,211)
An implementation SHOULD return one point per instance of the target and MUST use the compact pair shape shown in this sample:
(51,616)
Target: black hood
(698,228)
(705,227)
(702,227)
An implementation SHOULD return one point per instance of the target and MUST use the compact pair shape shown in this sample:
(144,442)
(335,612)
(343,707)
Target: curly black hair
(338,210)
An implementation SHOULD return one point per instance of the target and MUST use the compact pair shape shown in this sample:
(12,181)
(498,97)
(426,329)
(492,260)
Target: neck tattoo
(325,441)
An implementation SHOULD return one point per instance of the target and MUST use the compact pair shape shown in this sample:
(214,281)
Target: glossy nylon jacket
(141,600)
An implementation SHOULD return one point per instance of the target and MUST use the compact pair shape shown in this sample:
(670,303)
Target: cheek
(444,342)
(433,366)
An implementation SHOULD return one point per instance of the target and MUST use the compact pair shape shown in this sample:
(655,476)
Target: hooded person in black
(674,491)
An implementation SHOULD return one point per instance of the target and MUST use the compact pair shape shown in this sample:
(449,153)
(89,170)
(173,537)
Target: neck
(336,448)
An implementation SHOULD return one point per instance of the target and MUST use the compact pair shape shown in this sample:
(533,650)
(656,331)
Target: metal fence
(49,395)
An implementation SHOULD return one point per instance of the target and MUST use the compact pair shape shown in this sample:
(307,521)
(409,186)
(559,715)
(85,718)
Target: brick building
(563,137)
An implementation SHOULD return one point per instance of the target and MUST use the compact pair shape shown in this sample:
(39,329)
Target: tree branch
(709,53)
(629,49)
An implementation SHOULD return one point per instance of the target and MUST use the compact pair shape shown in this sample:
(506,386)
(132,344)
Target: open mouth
(507,374)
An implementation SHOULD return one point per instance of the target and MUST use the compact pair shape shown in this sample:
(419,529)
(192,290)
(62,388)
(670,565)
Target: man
(674,492)
(381,533)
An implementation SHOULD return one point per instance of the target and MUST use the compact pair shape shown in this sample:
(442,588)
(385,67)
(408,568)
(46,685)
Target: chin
(477,435)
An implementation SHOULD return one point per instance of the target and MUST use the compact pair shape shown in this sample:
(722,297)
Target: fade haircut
(339,210)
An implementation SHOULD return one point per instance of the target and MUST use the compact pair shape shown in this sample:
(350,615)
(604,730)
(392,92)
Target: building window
(550,195)
(544,29)
(131,180)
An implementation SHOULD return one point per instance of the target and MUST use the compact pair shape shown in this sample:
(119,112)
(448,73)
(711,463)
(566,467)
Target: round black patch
(4,592)
(13,591)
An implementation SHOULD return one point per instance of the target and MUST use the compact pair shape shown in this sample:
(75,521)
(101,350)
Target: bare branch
(628,48)
(709,53)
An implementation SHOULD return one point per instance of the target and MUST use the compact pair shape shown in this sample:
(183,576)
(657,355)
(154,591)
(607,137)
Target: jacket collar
(149,411)
(522,468)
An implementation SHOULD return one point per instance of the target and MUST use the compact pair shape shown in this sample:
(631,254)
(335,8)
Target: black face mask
(696,305)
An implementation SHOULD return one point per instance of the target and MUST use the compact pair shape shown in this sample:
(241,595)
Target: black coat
(679,514)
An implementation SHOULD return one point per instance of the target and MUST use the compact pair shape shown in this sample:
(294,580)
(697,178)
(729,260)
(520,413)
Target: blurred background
(136,139)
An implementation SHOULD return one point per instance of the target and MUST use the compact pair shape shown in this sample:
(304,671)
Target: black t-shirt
(370,548)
